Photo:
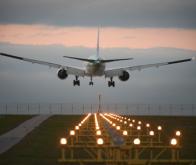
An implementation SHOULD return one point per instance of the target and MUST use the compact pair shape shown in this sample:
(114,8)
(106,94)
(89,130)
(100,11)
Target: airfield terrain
(41,146)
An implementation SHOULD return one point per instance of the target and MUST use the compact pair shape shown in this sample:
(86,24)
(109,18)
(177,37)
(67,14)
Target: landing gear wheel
(111,83)
(76,82)
(91,83)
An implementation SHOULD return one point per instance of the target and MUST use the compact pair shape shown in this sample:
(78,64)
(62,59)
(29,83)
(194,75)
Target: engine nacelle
(62,74)
(124,76)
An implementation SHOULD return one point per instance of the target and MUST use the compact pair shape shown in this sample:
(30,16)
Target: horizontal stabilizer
(102,61)
(114,60)
(81,59)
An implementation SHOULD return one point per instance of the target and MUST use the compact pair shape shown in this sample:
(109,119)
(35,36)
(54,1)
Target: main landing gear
(111,82)
(76,82)
(91,82)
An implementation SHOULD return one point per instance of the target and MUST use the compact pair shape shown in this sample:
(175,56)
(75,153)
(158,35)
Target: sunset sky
(137,28)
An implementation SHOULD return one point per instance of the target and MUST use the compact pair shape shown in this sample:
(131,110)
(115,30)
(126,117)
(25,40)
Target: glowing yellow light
(76,127)
(151,133)
(138,127)
(178,133)
(100,141)
(130,125)
(136,141)
(72,132)
(98,132)
(139,122)
(63,141)
(159,128)
(125,122)
(125,133)
(129,119)
(147,125)
(118,127)
(133,121)
(80,125)
(113,124)
(173,142)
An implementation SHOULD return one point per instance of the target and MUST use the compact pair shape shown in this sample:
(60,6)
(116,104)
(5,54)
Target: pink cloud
(110,37)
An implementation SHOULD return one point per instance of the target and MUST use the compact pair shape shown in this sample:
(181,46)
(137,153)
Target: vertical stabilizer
(98,44)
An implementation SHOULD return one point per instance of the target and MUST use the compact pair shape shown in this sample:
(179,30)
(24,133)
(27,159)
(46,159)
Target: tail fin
(98,43)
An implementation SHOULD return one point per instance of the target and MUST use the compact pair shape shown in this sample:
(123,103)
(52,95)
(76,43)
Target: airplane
(95,66)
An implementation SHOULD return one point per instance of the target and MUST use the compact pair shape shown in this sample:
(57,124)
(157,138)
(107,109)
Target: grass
(41,145)
(8,122)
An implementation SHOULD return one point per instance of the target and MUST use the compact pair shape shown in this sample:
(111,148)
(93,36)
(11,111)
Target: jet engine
(124,76)
(62,74)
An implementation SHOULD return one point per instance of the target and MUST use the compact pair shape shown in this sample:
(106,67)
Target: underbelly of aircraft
(95,69)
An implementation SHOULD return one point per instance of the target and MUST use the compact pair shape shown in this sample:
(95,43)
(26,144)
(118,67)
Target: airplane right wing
(70,70)
(118,71)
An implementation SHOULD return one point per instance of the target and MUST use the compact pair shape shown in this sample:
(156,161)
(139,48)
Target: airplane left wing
(70,70)
(118,71)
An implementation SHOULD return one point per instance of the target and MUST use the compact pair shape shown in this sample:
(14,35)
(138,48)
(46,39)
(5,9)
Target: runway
(14,136)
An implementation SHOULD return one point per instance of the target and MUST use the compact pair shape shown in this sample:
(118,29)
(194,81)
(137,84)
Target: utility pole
(99,109)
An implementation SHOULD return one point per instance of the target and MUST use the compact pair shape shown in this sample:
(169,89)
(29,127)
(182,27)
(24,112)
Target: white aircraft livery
(96,66)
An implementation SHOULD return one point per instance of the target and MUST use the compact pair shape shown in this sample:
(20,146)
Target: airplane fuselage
(95,68)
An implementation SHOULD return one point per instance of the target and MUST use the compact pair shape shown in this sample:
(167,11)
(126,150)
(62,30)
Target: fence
(123,109)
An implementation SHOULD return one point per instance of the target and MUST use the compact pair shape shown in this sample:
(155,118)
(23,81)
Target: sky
(150,31)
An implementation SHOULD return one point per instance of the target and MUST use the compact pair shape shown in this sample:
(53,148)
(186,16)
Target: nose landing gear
(91,82)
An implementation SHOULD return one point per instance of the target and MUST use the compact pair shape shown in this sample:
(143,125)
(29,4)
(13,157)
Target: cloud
(109,38)
(118,13)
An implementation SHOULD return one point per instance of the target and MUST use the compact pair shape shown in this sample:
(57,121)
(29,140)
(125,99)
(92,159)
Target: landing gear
(111,82)
(76,82)
(91,82)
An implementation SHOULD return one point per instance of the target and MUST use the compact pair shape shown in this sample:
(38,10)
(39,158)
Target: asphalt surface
(14,136)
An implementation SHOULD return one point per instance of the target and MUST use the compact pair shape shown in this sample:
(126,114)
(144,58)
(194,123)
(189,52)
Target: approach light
(159,128)
(138,127)
(113,124)
(125,122)
(63,141)
(72,132)
(147,125)
(139,122)
(76,127)
(125,133)
(118,127)
(100,141)
(133,121)
(136,141)
(173,142)
(130,125)
(178,133)
(151,133)
(80,125)
(98,132)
